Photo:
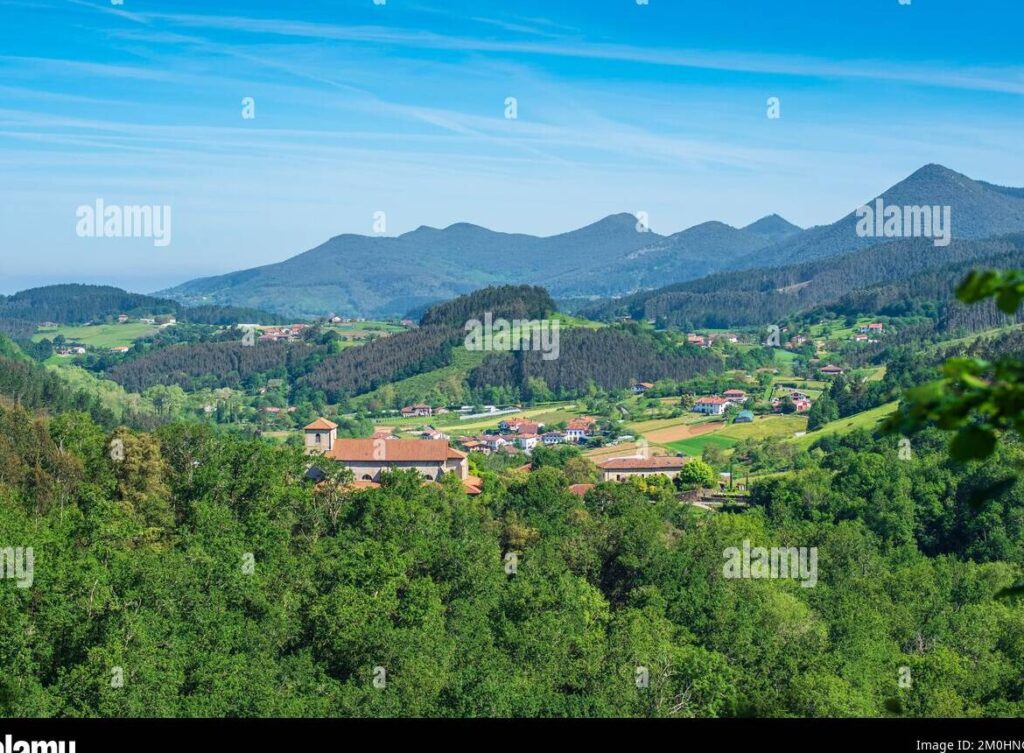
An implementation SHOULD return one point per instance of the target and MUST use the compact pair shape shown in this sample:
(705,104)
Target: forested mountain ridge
(856,281)
(977,210)
(75,303)
(389,276)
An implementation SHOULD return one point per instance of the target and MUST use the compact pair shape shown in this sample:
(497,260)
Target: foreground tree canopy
(182,573)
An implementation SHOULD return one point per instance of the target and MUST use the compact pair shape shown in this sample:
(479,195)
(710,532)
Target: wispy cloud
(1006,79)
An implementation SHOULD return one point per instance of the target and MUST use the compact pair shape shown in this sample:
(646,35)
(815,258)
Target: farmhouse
(711,406)
(526,441)
(580,428)
(368,458)
(830,370)
(553,437)
(520,426)
(873,328)
(641,387)
(621,469)
(735,395)
(417,410)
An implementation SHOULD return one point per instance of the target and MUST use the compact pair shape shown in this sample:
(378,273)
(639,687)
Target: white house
(711,406)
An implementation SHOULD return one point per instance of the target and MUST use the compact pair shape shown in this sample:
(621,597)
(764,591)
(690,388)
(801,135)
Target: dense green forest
(608,359)
(206,577)
(76,304)
(898,278)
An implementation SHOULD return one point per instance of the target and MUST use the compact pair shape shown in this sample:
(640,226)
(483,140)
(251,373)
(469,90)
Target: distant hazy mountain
(977,210)
(384,276)
(377,276)
(692,253)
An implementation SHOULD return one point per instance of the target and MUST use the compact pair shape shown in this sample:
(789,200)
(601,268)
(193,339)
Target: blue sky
(400,108)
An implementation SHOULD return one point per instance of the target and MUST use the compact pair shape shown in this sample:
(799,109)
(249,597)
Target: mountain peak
(772,224)
(934,170)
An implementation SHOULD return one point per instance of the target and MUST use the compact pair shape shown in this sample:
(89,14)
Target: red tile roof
(322,424)
(393,451)
(659,463)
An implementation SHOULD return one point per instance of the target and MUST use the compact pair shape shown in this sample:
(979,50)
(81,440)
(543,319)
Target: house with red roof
(711,406)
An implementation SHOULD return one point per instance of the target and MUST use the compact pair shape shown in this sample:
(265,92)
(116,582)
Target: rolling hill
(383,276)
(389,276)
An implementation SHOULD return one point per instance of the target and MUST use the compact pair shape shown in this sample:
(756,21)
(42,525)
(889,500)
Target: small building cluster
(291,333)
(517,434)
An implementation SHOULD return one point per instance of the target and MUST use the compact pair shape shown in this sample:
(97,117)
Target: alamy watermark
(893,221)
(9,745)
(18,564)
(518,334)
(129,221)
(799,563)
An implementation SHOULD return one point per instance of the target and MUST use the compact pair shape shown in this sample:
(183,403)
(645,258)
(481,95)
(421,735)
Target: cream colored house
(367,458)
(622,469)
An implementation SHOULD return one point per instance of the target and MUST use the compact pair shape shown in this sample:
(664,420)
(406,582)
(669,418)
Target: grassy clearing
(659,424)
(763,427)
(98,335)
(696,445)
(869,420)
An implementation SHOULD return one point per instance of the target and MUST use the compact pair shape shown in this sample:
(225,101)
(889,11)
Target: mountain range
(376,276)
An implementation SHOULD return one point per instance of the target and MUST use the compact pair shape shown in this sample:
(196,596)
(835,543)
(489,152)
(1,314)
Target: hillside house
(711,406)
(580,428)
(553,437)
(520,426)
(411,411)
(736,396)
(431,433)
(698,340)
(368,458)
(641,387)
(874,328)
(493,442)
(526,442)
(830,370)
(621,469)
